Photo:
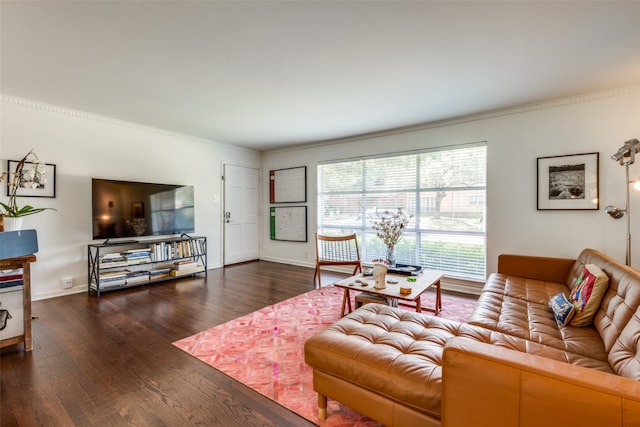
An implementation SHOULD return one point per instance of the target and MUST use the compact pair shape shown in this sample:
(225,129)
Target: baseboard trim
(58,293)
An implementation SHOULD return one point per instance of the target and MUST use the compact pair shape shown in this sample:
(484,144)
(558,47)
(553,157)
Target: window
(444,190)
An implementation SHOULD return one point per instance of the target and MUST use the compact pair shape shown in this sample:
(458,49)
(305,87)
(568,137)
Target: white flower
(41,167)
(28,174)
(390,225)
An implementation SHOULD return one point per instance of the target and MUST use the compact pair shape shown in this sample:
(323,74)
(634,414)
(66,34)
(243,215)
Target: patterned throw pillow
(563,309)
(587,294)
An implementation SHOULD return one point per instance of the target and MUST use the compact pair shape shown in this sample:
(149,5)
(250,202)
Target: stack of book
(135,277)
(10,278)
(112,260)
(137,256)
(183,268)
(159,273)
(112,279)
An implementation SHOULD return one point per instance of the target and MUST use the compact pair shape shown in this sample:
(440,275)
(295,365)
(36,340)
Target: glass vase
(391,256)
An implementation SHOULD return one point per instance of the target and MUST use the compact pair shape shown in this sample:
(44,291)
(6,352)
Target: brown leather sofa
(510,365)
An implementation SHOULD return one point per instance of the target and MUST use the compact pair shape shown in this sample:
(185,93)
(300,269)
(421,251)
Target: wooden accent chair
(336,250)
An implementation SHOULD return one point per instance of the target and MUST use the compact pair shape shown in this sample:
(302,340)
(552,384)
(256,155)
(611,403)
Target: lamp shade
(614,212)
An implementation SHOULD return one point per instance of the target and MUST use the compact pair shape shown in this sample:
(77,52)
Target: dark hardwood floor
(110,362)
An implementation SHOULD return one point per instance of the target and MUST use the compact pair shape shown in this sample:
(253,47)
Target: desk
(424,281)
(24,263)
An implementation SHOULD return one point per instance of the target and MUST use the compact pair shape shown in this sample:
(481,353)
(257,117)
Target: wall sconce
(626,156)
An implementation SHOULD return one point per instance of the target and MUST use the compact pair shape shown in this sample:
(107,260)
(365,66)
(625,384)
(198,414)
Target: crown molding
(43,106)
(37,105)
(543,105)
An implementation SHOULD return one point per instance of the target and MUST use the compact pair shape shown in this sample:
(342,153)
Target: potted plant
(29,173)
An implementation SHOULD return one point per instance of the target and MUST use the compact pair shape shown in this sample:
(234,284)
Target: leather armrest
(487,385)
(537,268)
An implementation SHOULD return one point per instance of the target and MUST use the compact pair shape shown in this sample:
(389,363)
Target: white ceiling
(265,74)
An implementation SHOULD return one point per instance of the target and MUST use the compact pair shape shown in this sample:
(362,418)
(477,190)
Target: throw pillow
(587,294)
(563,309)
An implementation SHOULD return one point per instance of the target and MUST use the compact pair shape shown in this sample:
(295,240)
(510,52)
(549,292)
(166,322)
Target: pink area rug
(265,349)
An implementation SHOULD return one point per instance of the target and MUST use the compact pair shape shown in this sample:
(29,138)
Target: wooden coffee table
(424,281)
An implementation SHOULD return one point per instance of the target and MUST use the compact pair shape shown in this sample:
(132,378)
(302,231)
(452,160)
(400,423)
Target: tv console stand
(114,265)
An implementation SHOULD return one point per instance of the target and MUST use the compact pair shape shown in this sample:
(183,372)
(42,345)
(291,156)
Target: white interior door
(241,207)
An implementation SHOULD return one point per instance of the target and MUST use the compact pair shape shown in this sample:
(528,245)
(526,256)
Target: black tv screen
(135,209)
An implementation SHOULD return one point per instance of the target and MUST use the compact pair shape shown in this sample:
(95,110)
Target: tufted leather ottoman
(394,357)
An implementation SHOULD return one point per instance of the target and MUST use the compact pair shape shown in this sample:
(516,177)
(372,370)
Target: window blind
(444,190)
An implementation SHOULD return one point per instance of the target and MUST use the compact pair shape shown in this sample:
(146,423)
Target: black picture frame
(568,182)
(46,190)
(288,185)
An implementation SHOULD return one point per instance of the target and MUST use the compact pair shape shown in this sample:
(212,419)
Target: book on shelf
(112,260)
(111,256)
(137,255)
(137,251)
(137,273)
(137,279)
(122,263)
(139,260)
(112,275)
(184,265)
(159,273)
(7,275)
(11,283)
(110,283)
(188,271)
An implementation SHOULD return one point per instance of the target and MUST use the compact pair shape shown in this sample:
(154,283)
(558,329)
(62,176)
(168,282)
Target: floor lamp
(626,156)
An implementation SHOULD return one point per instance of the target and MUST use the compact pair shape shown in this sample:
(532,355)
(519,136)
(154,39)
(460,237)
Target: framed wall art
(568,182)
(34,182)
(289,223)
(288,185)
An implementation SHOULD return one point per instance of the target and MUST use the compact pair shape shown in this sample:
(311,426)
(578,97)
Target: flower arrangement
(28,174)
(390,225)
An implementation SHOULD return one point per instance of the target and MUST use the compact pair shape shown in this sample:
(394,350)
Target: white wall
(515,139)
(83,146)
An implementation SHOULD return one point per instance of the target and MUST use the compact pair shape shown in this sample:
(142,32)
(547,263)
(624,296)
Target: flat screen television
(136,209)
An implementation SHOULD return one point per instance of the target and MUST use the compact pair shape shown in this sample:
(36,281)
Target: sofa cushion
(624,356)
(562,308)
(537,291)
(535,322)
(587,294)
